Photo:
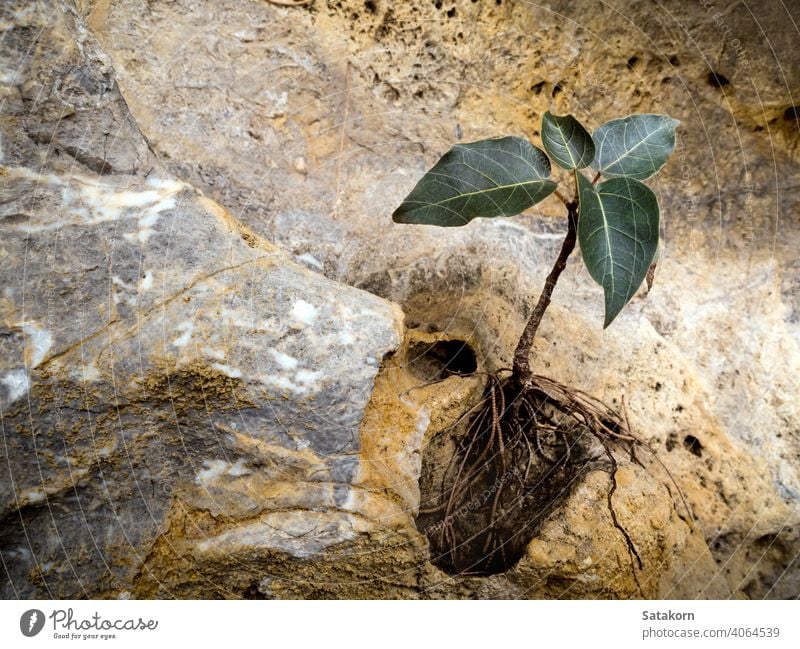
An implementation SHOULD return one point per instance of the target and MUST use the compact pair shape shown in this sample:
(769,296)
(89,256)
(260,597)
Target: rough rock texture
(187,412)
(157,355)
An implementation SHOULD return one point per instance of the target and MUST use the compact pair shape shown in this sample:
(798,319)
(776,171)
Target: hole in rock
(717,80)
(434,361)
(253,592)
(481,504)
(693,445)
(792,113)
(537,88)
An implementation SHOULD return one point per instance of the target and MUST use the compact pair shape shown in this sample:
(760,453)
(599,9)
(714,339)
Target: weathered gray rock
(156,352)
(184,453)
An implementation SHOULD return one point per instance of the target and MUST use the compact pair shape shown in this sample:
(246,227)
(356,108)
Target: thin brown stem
(562,198)
(522,369)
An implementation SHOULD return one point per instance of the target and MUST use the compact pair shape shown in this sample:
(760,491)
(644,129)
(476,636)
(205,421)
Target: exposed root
(522,451)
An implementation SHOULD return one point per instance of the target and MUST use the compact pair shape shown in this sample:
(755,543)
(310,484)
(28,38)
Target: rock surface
(189,412)
(157,354)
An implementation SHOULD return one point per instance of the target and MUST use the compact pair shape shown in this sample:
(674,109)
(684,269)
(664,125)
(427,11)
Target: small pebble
(246,35)
(300,166)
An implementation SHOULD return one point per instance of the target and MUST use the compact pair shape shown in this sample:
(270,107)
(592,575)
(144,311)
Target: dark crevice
(98,165)
(253,592)
(435,361)
(693,445)
(717,80)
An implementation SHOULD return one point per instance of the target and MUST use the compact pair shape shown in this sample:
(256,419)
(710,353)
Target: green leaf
(636,146)
(618,233)
(566,141)
(500,177)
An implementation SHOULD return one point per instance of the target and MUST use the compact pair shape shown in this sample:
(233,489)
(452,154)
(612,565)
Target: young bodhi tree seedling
(616,223)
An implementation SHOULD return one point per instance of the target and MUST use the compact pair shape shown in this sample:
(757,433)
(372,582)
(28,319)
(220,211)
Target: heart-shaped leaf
(566,141)
(618,233)
(636,146)
(500,177)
